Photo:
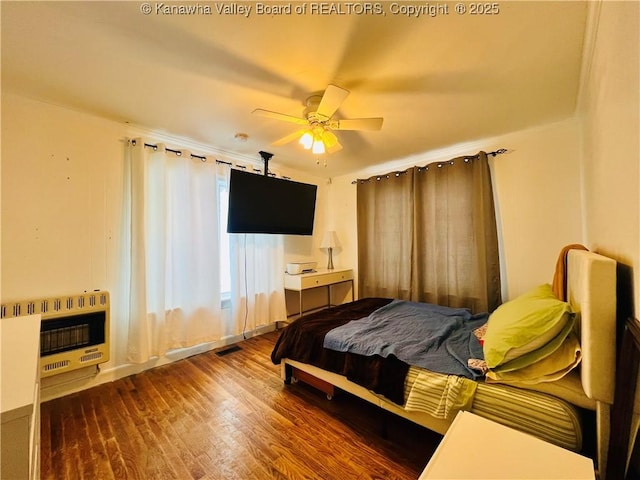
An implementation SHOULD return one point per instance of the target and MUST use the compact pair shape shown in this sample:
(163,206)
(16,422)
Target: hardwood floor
(224,417)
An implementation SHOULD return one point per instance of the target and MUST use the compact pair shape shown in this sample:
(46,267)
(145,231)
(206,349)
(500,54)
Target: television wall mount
(266,156)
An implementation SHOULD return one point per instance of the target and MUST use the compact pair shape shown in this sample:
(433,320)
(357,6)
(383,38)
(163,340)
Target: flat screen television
(263,204)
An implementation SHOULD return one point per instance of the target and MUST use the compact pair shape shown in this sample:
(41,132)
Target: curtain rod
(495,153)
(179,152)
(203,158)
(500,151)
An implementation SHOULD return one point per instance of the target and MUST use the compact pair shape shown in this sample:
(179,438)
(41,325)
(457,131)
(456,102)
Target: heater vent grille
(56,306)
(74,329)
(91,357)
(48,367)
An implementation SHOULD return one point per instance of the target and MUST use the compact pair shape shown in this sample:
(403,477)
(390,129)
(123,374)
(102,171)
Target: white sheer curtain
(257,278)
(174,266)
(172,260)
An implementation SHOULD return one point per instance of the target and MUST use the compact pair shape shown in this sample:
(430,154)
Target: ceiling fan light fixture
(329,139)
(306,140)
(318,147)
(318,121)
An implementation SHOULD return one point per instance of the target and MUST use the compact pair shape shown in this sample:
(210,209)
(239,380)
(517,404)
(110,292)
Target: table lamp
(330,241)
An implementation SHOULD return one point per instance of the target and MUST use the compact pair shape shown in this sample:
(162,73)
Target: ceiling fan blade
(280,116)
(331,100)
(357,124)
(289,138)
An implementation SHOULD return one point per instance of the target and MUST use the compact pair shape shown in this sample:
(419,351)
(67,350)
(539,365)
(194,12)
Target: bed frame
(591,290)
(625,418)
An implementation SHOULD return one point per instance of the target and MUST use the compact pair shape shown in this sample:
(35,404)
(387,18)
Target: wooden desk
(319,278)
(477,448)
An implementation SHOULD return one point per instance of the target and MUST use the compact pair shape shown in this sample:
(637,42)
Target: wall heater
(74,329)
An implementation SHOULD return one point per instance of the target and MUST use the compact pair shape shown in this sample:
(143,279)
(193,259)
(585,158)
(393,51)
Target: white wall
(537,190)
(610,107)
(538,201)
(61,175)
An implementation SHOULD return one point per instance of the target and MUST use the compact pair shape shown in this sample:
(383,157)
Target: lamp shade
(330,240)
(306,140)
(318,147)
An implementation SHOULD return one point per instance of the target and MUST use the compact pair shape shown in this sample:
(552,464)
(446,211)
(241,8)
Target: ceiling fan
(319,124)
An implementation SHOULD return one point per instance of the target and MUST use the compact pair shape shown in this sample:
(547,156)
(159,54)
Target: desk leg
(300,300)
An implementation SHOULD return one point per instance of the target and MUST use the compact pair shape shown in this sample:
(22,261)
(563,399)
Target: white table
(20,397)
(319,278)
(477,448)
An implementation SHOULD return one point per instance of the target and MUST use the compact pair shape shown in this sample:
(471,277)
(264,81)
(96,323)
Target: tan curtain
(430,235)
(385,236)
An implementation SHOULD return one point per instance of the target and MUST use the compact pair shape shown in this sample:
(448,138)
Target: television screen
(262,204)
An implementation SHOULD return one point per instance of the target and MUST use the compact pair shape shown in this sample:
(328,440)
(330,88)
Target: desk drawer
(325,279)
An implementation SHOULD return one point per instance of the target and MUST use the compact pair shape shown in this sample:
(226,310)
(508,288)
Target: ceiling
(437,80)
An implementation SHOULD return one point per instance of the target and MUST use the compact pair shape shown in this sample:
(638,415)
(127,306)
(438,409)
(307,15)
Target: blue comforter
(434,337)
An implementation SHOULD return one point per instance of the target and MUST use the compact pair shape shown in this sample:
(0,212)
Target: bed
(550,410)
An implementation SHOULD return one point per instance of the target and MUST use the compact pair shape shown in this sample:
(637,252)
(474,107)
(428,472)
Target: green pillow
(549,369)
(526,324)
(536,355)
